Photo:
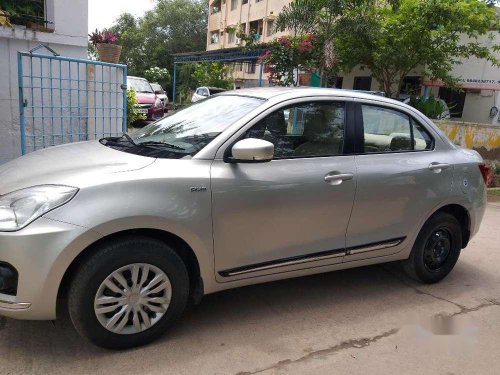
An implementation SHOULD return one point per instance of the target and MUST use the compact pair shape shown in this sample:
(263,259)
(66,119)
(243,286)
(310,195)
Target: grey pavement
(371,320)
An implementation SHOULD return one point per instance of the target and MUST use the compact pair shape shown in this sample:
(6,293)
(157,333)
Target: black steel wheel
(436,249)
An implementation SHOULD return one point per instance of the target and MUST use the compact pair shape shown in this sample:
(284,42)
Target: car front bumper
(41,253)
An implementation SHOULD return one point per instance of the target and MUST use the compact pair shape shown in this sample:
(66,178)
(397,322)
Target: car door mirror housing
(252,150)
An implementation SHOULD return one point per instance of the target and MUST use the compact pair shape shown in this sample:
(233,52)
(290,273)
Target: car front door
(401,176)
(290,213)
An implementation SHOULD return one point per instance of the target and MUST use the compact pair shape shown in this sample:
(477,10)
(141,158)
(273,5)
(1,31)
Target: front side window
(387,130)
(184,133)
(303,130)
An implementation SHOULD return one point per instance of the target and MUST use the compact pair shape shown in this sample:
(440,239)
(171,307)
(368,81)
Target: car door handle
(438,167)
(338,178)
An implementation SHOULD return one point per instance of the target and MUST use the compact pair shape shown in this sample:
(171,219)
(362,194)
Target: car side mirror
(252,150)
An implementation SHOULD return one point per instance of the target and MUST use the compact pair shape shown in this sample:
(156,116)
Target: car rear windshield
(184,133)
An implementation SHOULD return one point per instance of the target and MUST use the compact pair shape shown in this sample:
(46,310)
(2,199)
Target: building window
(257,28)
(234,4)
(362,83)
(214,37)
(231,37)
(26,12)
(250,68)
(454,99)
(244,2)
(270,27)
(215,7)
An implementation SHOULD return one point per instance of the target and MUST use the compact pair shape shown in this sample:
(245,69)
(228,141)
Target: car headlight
(21,207)
(157,103)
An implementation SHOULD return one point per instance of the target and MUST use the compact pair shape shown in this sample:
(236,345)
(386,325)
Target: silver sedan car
(245,187)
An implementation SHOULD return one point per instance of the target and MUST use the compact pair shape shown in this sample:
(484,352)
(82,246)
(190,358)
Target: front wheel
(436,249)
(128,293)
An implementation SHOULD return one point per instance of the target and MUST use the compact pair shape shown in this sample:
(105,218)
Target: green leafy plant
(132,114)
(213,74)
(431,107)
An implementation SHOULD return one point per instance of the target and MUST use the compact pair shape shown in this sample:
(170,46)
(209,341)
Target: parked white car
(160,94)
(204,92)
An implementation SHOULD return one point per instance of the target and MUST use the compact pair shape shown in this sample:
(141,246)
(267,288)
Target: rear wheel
(128,293)
(436,249)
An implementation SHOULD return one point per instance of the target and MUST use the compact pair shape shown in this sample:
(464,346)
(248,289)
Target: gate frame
(55,56)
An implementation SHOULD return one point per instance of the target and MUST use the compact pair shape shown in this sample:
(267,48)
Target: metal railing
(64,99)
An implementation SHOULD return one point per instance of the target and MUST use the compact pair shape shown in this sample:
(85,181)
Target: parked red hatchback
(148,102)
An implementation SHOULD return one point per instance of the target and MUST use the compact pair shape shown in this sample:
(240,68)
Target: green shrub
(431,107)
(132,114)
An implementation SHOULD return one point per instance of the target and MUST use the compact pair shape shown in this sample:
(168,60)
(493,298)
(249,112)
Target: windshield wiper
(118,141)
(160,145)
(129,138)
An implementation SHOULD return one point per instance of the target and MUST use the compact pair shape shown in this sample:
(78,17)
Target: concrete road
(371,320)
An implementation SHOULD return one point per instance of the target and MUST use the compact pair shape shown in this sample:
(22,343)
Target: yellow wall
(475,136)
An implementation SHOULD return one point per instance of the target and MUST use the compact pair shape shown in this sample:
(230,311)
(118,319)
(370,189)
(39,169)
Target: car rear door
(402,174)
(290,213)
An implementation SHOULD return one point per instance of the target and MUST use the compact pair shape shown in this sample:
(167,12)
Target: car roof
(293,92)
(134,77)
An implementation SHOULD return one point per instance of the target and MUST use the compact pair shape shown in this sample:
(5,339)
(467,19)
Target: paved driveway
(372,320)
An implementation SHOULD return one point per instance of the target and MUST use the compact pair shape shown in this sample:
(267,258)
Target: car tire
(436,249)
(131,258)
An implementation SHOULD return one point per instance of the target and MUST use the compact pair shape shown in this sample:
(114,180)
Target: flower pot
(109,52)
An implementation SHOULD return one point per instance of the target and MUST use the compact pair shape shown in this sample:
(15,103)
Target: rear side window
(387,130)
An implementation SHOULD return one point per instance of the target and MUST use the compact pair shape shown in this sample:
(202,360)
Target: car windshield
(156,87)
(139,85)
(214,91)
(184,133)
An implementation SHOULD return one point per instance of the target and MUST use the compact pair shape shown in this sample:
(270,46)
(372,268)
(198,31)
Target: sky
(102,13)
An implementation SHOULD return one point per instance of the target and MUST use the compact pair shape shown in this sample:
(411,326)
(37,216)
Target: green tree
(319,17)
(131,37)
(173,26)
(392,39)
(214,74)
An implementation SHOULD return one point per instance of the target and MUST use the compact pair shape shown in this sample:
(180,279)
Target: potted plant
(105,41)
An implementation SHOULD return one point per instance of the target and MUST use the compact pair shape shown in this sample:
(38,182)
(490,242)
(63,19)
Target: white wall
(70,19)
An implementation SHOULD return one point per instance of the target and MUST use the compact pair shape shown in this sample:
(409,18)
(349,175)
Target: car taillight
(486,172)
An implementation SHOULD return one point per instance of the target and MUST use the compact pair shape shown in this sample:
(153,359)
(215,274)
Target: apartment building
(479,80)
(257,16)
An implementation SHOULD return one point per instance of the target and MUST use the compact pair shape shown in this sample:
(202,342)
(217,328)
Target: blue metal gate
(63,100)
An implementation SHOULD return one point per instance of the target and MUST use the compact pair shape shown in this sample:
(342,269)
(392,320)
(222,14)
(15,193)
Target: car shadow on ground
(231,317)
